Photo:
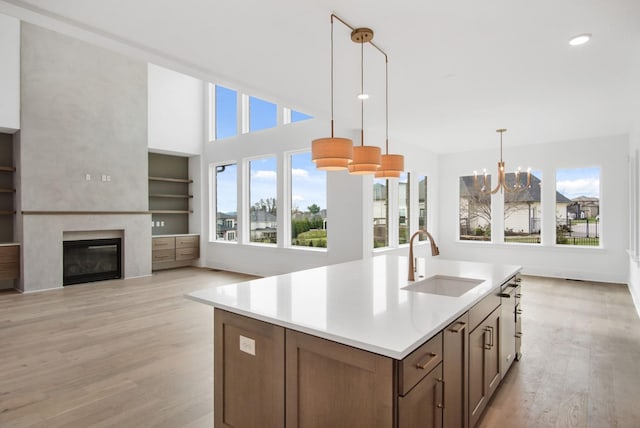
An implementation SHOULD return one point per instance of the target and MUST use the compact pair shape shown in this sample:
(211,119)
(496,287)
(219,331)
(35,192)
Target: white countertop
(359,303)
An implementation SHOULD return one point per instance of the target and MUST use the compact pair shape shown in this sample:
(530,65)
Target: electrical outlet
(162,224)
(104,177)
(108,178)
(248,345)
(87,177)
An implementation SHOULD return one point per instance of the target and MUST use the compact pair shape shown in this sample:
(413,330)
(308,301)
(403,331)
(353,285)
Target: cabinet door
(484,364)
(493,360)
(334,385)
(422,406)
(456,373)
(249,372)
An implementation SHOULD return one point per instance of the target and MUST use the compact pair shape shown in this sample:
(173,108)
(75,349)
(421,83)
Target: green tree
(313,209)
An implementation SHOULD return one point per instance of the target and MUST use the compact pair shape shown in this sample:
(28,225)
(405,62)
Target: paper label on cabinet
(248,345)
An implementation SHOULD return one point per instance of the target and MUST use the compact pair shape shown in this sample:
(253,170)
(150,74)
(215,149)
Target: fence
(585,232)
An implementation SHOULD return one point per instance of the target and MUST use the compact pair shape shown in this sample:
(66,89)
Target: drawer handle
(162,257)
(519,311)
(426,363)
(518,295)
(505,295)
(460,325)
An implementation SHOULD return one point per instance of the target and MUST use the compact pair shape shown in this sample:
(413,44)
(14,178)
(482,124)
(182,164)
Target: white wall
(176,119)
(609,263)
(634,213)
(9,74)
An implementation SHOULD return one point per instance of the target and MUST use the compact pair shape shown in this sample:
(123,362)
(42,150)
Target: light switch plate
(248,345)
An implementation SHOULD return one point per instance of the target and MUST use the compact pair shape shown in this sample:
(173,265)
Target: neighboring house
(380,213)
(263,226)
(226,226)
(583,207)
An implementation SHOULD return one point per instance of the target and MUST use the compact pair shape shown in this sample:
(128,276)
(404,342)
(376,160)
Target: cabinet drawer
(187,253)
(187,241)
(163,255)
(10,254)
(419,363)
(483,308)
(163,243)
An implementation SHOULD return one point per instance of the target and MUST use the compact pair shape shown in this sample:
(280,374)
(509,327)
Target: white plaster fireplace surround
(44,233)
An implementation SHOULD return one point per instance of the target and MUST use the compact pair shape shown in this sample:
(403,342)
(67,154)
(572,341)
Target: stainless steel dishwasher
(509,319)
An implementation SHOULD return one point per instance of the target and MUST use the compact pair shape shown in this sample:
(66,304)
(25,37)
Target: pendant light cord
(332,76)
(386,103)
(362,93)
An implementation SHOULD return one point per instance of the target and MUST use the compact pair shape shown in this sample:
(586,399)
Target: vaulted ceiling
(458,69)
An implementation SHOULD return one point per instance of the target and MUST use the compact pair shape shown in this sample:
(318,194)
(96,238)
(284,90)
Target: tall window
(263,220)
(523,211)
(578,206)
(308,203)
(474,211)
(226,202)
(380,213)
(403,208)
(422,205)
(226,112)
(262,114)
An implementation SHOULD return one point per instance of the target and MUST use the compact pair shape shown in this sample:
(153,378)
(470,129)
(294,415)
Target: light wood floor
(135,353)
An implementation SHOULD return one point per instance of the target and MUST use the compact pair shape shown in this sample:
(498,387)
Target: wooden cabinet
(421,386)
(249,372)
(174,251)
(9,262)
(484,364)
(333,385)
(456,373)
(423,405)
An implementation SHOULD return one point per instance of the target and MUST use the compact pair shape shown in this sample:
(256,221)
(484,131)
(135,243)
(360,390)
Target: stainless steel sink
(443,285)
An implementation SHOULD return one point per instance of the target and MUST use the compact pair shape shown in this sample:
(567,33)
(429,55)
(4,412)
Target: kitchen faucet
(434,250)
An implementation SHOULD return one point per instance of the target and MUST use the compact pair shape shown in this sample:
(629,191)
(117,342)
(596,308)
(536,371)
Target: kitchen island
(347,345)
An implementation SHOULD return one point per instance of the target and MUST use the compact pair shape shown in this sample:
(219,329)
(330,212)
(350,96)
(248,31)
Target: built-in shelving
(7,169)
(169,194)
(171,180)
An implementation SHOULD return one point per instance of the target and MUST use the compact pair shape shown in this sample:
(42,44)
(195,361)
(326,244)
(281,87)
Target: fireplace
(91,260)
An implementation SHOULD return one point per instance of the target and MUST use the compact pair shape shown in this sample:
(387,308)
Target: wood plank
(7,169)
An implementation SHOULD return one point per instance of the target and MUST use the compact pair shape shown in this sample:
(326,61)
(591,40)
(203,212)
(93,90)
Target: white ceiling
(458,69)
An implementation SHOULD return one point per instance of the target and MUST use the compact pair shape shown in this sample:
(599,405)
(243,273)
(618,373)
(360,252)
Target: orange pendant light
(392,165)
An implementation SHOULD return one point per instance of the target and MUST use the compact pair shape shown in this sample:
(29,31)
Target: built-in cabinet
(266,375)
(174,251)
(9,250)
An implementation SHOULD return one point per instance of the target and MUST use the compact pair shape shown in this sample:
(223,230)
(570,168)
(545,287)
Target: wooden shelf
(7,190)
(171,180)
(7,212)
(170,211)
(7,169)
(167,195)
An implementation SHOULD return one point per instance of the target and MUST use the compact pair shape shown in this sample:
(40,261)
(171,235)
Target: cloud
(266,175)
(298,172)
(297,198)
(579,187)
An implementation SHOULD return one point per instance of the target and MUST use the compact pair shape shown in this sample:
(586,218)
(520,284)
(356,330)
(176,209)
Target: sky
(578,182)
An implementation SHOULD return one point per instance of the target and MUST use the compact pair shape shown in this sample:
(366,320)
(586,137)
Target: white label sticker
(248,345)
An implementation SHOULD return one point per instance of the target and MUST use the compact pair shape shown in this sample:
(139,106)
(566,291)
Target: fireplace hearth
(90,260)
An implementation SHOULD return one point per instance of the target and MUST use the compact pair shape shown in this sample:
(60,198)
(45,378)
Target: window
(403,208)
(263,220)
(380,213)
(474,210)
(523,210)
(226,202)
(262,114)
(308,203)
(578,206)
(422,205)
(226,112)
(296,116)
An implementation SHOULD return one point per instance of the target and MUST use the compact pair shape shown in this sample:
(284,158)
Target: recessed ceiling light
(363,96)
(580,39)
